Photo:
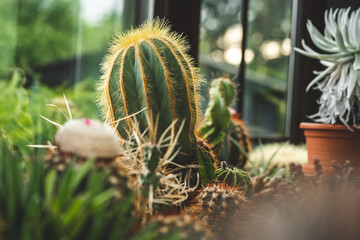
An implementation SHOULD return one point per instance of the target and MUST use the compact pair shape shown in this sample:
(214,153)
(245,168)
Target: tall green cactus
(149,68)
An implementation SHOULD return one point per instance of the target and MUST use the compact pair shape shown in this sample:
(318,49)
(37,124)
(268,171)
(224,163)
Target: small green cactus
(235,177)
(223,129)
(148,68)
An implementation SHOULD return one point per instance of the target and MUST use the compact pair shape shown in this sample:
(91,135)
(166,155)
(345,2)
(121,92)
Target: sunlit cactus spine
(223,130)
(235,177)
(148,68)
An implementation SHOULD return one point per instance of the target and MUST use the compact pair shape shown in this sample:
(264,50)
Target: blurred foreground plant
(78,203)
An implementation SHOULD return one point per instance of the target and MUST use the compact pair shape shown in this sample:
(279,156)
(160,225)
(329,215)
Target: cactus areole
(148,68)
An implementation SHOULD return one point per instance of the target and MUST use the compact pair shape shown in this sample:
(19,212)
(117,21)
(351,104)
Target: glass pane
(266,56)
(266,73)
(220,39)
(60,42)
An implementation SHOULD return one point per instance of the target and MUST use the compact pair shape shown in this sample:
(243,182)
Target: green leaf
(267,164)
(102,198)
(148,233)
(321,76)
(84,170)
(340,40)
(319,40)
(49,186)
(356,64)
(241,148)
(353,77)
(154,158)
(206,167)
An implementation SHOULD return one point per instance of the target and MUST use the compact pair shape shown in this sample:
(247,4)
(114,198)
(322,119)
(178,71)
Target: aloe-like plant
(339,83)
(148,73)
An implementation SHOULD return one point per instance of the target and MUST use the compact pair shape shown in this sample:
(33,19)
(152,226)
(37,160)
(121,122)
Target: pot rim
(325,126)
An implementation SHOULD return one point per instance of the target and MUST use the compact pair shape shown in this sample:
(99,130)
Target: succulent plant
(223,130)
(339,82)
(148,74)
(236,178)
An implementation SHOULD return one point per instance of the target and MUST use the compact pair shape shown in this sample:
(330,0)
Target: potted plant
(335,134)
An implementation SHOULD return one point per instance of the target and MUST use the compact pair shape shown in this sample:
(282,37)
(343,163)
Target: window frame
(300,71)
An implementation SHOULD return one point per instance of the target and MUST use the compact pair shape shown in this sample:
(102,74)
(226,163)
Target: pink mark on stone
(87,121)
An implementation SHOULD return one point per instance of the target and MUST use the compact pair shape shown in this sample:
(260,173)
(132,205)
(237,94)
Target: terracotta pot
(327,142)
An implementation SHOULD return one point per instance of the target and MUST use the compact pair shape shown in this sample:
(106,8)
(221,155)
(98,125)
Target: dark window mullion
(184,17)
(241,74)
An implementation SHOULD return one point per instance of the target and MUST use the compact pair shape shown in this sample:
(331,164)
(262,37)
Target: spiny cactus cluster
(223,130)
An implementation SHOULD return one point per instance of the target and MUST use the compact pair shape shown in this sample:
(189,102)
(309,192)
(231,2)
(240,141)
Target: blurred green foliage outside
(20,110)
